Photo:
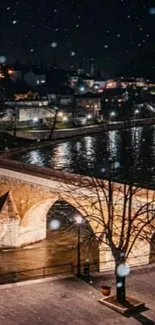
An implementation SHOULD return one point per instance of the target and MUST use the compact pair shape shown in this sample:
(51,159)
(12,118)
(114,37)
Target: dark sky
(118,35)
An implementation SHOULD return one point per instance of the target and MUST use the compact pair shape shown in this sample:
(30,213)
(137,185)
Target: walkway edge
(42,280)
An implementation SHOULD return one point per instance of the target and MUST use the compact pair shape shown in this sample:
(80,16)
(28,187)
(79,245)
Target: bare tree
(122,214)
(56,111)
(126,214)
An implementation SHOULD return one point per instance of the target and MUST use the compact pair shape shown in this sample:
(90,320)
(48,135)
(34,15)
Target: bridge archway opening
(62,230)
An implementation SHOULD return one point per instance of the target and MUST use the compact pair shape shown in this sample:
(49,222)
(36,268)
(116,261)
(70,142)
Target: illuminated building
(29,111)
(90,103)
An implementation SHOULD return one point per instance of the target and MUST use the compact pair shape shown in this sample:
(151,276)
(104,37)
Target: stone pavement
(72,301)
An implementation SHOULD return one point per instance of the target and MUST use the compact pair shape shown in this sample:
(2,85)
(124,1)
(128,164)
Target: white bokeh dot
(119,284)
(72,53)
(54,224)
(2,59)
(116,164)
(54,45)
(123,270)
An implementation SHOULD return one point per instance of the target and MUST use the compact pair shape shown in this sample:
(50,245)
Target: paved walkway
(73,302)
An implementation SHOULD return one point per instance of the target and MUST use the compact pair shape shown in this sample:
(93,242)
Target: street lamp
(35,119)
(60,114)
(136,111)
(78,222)
(112,114)
(82,89)
(65,119)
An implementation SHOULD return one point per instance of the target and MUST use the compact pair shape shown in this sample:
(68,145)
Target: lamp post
(78,221)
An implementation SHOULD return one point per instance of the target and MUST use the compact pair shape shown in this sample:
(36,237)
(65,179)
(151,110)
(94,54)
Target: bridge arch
(33,226)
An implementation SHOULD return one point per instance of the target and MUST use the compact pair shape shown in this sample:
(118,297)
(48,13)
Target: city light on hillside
(60,114)
(2,76)
(65,119)
(112,114)
(82,89)
(35,119)
(10,71)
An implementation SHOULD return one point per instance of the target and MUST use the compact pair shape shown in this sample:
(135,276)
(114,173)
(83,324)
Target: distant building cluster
(32,95)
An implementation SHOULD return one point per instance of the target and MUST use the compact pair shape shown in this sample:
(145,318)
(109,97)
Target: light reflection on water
(133,147)
(114,140)
(61,155)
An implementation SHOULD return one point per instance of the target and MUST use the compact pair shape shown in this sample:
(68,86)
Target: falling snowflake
(2,59)
(116,164)
(54,45)
(54,224)
(123,270)
(119,284)
(152,11)
(72,53)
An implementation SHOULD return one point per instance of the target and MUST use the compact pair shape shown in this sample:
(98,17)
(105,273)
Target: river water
(124,153)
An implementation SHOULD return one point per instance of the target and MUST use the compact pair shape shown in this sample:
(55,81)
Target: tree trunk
(120,280)
(120,289)
(55,120)
(53,126)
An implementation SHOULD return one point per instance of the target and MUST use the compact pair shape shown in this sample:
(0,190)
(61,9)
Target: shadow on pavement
(141,318)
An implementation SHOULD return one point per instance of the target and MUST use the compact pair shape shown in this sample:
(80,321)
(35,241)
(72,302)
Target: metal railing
(61,269)
(29,274)
(43,272)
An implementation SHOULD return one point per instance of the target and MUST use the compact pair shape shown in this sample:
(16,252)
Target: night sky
(118,35)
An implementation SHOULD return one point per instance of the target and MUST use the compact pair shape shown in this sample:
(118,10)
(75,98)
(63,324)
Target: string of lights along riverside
(129,152)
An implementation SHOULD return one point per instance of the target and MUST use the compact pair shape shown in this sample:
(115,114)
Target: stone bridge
(27,192)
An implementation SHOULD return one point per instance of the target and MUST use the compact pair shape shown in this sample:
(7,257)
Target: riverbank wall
(39,139)
(86,130)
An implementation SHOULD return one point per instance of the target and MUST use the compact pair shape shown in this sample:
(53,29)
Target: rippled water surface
(129,152)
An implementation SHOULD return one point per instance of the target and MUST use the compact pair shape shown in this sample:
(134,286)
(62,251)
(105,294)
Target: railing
(64,269)
(37,273)
(43,272)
